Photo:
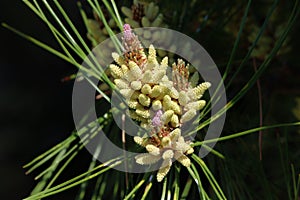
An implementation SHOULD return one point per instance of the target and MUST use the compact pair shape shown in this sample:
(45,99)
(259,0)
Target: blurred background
(35,104)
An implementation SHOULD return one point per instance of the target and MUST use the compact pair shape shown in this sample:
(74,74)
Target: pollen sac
(200,89)
(167,101)
(174,106)
(133,23)
(127,12)
(168,154)
(146,159)
(145,22)
(135,70)
(166,117)
(190,151)
(166,141)
(175,134)
(136,85)
(174,93)
(157,105)
(144,100)
(197,105)
(143,113)
(166,82)
(139,140)
(146,89)
(124,69)
(164,62)
(147,77)
(163,91)
(135,95)
(184,160)
(133,115)
(152,149)
(126,93)
(121,84)
(117,58)
(132,104)
(188,116)
(174,121)
(156,91)
(152,55)
(168,104)
(145,124)
(163,171)
(129,76)
(151,11)
(157,22)
(183,98)
(159,74)
(116,72)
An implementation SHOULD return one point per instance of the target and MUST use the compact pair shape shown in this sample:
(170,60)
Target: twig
(260,111)
(124,150)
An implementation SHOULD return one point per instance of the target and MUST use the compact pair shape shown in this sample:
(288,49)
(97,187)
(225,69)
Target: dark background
(35,105)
